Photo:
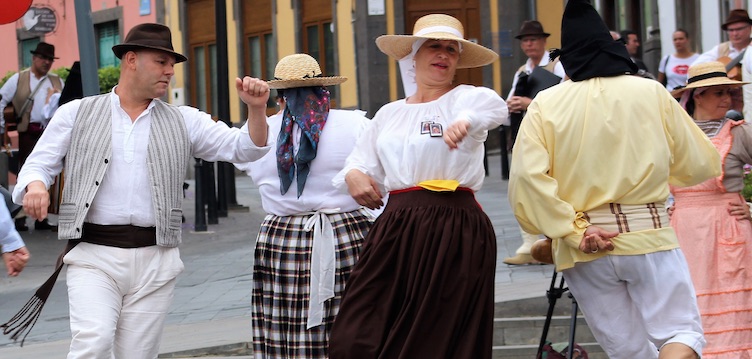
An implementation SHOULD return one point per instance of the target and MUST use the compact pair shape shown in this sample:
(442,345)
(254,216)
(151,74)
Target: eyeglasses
(736,29)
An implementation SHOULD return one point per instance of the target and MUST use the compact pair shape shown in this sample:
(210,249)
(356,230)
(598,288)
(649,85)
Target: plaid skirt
(424,285)
(281,279)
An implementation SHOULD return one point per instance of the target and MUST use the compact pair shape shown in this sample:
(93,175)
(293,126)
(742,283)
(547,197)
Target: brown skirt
(423,287)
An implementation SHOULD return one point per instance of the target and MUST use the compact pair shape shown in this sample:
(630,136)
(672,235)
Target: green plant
(63,72)
(108,78)
(6,77)
(747,189)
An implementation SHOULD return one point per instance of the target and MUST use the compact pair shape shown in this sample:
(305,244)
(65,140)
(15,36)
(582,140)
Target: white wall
(710,23)
(667,24)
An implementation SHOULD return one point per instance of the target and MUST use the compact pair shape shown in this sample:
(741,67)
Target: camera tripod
(553,294)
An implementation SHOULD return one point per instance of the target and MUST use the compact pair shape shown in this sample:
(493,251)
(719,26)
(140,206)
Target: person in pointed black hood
(588,50)
(593,160)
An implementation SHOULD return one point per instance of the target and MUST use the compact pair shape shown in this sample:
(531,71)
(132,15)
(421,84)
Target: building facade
(341,35)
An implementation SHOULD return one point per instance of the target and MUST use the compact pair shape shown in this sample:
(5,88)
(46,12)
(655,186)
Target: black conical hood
(588,50)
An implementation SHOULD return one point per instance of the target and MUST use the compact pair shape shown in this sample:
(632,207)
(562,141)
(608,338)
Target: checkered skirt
(281,277)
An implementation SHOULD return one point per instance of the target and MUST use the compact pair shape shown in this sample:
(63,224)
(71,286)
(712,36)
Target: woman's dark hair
(690,105)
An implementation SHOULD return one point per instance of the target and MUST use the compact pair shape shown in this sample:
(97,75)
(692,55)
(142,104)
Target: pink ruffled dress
(718,248)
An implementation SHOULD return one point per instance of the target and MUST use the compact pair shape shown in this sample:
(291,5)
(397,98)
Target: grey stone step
(518,327)
(528,351)
(237,350)
(528,330)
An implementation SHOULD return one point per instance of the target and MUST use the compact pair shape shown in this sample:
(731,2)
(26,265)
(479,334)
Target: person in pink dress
(712,219)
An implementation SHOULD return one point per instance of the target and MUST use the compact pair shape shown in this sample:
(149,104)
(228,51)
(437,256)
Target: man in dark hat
(126,155)
(28,95)
(591,171)
(738,26)
(533,44)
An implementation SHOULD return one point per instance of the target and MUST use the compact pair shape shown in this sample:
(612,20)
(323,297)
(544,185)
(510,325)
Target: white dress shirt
(713,55)
(394,152)
(10,240)
(124,196)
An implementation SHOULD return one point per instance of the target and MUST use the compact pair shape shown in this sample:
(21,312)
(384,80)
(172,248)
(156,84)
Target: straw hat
(707,74)
(437,27)
(301,70)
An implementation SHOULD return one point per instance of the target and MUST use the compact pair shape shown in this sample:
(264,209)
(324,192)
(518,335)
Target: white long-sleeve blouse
(399,150)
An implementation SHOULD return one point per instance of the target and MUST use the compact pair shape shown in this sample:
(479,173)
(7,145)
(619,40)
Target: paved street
(212,299)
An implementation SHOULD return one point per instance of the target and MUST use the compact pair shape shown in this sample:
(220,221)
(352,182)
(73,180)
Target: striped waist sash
(626,218)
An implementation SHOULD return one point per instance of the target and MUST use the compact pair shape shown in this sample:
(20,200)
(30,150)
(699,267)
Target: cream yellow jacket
(619,139)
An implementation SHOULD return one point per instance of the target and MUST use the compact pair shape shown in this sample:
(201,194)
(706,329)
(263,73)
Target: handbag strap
(33,93)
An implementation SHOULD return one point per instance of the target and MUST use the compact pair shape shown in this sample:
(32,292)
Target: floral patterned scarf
(308,107)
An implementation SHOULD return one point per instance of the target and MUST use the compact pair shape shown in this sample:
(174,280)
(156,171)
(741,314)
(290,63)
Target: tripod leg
(552,294)
(572,326)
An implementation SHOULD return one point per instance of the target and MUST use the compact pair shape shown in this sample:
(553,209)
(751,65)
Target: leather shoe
(542,252)
(21,225)
(41,225)
(521,259)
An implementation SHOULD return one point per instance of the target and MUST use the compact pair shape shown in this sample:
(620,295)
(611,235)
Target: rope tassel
(20,325)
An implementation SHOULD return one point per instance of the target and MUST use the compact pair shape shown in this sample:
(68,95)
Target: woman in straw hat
(311,237)
(423,287)
(712,219)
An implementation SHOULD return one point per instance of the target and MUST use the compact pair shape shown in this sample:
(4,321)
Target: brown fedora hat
(148,36)
(531,28)
(736,15)
(45,50)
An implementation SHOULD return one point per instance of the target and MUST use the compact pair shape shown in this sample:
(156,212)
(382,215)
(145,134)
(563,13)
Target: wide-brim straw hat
(438,27)
(301,70)
(707,74)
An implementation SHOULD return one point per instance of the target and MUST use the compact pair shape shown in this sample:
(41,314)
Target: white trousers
(119,299)
(635,304)
(527,242)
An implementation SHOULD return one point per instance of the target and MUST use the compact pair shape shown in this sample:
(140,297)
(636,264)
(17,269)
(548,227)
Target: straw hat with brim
(148,36)
(437,27)
(707,74)
(301,70)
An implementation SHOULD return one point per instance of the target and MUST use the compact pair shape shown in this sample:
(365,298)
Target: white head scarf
(407,68)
